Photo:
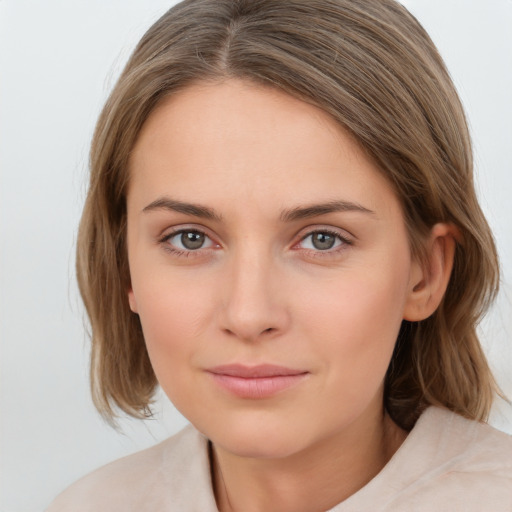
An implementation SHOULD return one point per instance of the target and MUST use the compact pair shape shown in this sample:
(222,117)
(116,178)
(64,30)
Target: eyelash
(328,252)
(164,241)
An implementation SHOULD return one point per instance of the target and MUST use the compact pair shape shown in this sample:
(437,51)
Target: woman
(282,231)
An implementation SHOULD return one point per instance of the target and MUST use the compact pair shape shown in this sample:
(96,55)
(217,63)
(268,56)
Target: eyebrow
(315,210)
(196,210)
(288,215)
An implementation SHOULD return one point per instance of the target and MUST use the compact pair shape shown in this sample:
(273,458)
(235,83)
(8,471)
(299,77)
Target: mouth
(256,382)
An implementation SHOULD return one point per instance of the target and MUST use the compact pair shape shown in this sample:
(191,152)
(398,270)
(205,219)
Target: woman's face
(270,267)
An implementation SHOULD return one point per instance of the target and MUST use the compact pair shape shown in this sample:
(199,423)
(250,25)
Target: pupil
(323,241)
(192,240)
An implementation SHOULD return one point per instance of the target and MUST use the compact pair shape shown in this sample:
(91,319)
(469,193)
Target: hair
(374,69)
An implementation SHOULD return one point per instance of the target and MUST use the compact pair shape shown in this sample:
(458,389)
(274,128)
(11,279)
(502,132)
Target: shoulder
(167,475)
(448,464)
(467,465)
(468,445)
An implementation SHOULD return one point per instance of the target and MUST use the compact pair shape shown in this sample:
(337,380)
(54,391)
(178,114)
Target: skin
(259,291)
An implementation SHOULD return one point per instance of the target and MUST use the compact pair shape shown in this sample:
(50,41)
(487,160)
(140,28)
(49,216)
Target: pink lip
(255,382)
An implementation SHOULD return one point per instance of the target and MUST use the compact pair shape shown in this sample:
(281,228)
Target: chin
(260,446)
(257,436)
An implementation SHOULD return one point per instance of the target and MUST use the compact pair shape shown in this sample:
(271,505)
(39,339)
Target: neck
(317,478)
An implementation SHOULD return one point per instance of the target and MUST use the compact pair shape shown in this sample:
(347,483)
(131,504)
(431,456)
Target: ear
(132,301)
(428,282)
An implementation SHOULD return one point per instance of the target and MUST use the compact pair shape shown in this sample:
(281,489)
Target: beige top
(447,463)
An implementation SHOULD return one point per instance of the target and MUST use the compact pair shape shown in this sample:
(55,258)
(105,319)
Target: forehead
(236,141)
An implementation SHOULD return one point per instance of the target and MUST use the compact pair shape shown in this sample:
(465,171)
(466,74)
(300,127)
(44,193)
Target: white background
(58,60)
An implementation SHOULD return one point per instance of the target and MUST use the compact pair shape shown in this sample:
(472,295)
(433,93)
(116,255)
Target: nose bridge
(252,308)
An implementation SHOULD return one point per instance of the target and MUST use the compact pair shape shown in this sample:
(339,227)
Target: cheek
(354,322)
(175,315)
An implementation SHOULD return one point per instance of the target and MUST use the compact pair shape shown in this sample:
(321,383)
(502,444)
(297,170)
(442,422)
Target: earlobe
(428,282)
(132,301)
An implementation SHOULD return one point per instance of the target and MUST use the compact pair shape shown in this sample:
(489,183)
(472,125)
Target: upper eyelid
(344,240)
(213,241)
(309,230)
(164,240)
(169,232)
(329,231)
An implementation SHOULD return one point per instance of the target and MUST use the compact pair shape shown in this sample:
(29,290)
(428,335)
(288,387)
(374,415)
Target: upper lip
(247,372)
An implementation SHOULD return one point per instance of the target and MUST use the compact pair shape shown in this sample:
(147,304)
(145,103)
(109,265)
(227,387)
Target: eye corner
(328,241)
(198,241)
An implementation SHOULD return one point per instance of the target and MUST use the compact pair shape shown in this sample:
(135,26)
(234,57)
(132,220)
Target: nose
(254,305)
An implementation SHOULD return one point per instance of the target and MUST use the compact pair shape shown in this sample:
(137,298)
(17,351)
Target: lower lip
(257,387)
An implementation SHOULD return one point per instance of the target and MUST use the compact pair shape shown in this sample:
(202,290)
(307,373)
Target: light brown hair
(373,68)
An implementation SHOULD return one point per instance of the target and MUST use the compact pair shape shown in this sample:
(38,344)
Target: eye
(322,241)
(188,240)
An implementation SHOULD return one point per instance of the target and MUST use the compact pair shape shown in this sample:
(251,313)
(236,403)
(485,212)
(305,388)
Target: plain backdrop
(58,61)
